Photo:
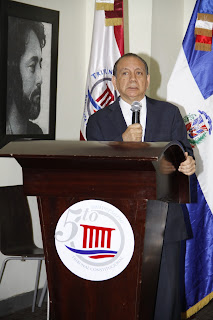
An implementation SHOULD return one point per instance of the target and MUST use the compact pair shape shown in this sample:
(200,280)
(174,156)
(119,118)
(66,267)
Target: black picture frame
(44,125)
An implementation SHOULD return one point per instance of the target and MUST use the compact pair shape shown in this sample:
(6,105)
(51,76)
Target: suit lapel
(118,124)
(116,117)
(150,116)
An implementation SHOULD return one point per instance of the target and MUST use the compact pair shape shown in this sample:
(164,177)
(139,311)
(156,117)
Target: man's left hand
(188,166)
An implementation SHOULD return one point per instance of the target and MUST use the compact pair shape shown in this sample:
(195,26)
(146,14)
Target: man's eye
(139,73)
(125,73)
(32,67)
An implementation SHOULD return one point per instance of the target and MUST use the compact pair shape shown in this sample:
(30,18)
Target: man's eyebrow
(125,68)
(139,68)
(34,59)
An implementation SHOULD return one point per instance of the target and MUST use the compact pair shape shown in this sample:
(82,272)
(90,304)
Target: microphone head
(136,106)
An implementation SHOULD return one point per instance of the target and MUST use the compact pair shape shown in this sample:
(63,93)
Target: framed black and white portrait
(29,54)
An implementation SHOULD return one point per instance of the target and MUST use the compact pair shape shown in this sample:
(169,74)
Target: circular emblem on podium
(94,240)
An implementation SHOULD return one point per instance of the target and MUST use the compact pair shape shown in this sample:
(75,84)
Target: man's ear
(114,82)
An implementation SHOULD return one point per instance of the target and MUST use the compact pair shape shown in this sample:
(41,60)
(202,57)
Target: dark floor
(41,314)
(27,314)
(204,314)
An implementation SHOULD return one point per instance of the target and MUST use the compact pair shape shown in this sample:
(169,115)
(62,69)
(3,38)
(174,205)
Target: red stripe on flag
(118,10)
(203,39)
(81,137)
(118,30)
(119,36)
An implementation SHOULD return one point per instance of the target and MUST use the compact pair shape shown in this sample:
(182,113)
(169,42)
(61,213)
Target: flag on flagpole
(107,47)
(191,89)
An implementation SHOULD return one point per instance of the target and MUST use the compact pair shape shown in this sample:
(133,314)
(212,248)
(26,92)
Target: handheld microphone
(135,108)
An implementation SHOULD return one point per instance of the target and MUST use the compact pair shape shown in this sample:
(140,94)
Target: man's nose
(38,75)
(132,76)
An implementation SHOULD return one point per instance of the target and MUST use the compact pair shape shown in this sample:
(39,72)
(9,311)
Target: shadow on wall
(155,76)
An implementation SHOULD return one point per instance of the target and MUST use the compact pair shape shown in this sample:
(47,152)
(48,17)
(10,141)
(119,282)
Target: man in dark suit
(159,121)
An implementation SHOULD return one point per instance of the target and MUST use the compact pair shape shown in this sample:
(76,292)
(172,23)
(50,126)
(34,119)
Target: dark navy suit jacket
(163,123)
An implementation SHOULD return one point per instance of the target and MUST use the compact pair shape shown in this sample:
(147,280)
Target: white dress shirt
(127,113)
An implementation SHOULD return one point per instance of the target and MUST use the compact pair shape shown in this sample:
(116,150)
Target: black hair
(18,31)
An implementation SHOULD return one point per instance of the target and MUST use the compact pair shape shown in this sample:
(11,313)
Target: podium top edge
(69,149)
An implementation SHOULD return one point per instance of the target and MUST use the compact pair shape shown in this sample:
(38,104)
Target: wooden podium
(134,178)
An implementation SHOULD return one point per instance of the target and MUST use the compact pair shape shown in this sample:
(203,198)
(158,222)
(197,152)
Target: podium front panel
(129,176)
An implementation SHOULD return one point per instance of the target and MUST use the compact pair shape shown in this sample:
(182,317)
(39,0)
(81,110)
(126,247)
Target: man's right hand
(133,133)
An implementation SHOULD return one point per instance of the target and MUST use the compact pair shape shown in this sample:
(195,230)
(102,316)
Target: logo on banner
(100,95)
(94,240)
(100,92)
(198,127)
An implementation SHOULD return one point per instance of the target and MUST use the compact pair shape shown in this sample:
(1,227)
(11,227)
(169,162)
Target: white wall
(155,29)
(167,36)
(70,97)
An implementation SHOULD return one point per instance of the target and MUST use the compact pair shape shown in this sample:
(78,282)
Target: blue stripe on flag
(206,6)
(199,249)
(200,62)
(95,105)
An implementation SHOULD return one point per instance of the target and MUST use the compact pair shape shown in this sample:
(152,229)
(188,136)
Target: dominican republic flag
(107,47)
(191,89)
